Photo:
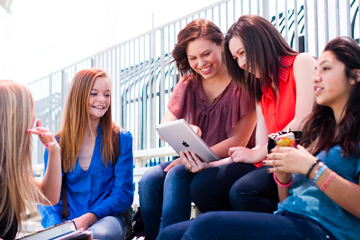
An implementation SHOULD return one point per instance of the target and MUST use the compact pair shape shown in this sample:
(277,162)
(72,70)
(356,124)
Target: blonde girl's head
(18,189)
(76,117)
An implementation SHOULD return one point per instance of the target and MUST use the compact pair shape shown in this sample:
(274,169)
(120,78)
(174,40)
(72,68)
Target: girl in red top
(260,60)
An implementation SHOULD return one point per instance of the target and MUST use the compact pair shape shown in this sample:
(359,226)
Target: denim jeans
(210,188)
(255,192)
(247,226)
(109,228)
(164,197)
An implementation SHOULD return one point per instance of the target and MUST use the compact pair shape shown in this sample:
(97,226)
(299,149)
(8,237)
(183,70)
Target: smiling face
(204,57)
(331,86)
(237,50)
(99,100)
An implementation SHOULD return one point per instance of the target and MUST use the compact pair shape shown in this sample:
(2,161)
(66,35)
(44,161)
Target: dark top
(11,233)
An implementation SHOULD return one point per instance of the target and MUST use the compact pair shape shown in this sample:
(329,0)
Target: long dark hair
(263,46)
(195,29)
(320,132)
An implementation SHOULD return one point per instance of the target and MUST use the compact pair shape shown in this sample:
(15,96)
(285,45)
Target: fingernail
(29,130)
(37,128)
(265,157)
(268,170)
(43,134)
(46,144)
(264,162)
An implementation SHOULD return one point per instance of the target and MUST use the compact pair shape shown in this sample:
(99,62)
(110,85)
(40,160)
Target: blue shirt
(307,199)
(104,191)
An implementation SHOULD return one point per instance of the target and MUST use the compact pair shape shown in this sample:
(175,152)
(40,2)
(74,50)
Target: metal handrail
(143,74)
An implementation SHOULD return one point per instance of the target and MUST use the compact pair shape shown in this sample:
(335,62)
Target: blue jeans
(247,226)
(164,197)
(109,228)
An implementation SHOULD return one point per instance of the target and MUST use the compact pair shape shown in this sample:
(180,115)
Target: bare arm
(255,155)
(304,69)
(242,133)
(51,183)
(287,160)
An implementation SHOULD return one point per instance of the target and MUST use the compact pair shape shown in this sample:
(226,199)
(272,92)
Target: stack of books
(64,231)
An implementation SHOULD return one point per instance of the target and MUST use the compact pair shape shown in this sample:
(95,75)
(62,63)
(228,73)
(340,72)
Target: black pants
(236,186)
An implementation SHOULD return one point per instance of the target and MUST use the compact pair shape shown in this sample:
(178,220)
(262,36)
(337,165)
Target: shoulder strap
(65,210)
(117,152)
(116,142)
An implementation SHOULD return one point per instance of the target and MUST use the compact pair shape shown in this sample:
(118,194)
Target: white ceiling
(5,4)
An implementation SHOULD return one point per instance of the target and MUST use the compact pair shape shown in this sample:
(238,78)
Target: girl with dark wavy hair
(318,186)
(217,109)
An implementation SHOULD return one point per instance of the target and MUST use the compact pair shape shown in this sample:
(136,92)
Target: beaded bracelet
(319,171)
(281,184)
(312,167)
(327,181)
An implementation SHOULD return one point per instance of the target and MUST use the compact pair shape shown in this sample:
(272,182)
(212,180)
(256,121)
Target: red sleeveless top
(278,114)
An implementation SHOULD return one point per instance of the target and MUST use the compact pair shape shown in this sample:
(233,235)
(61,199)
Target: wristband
(319,172)
(281,184)
(312,167)
(327,181)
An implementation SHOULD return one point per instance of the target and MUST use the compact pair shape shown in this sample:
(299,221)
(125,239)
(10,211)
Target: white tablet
(182,137)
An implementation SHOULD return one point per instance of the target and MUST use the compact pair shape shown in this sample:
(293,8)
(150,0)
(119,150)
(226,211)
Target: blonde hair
(18,188)
(75,116)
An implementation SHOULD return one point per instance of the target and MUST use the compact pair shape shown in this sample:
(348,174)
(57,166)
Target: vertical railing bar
(242,8)
(277,15)
(234,11)
(326,15)
(348,19)
(306,24)
(316,33)
(358,17)
(286,22)
(227,20)
(144,102)
(296,33)
(162,78)
(152,93)
(266,10)
(139,115)
(121,122)
(212,14)
(337,18)
(219,9)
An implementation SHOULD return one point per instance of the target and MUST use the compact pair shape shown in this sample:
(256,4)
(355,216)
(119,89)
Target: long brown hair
(18,188)
(320,132)
(195,29)
(75,117)
(264,46)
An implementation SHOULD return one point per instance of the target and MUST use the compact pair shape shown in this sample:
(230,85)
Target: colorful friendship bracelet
(281,184)
(312,167)
(319,171)
(327,181)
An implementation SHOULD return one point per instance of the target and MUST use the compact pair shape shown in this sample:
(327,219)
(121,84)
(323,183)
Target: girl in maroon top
(218,110)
